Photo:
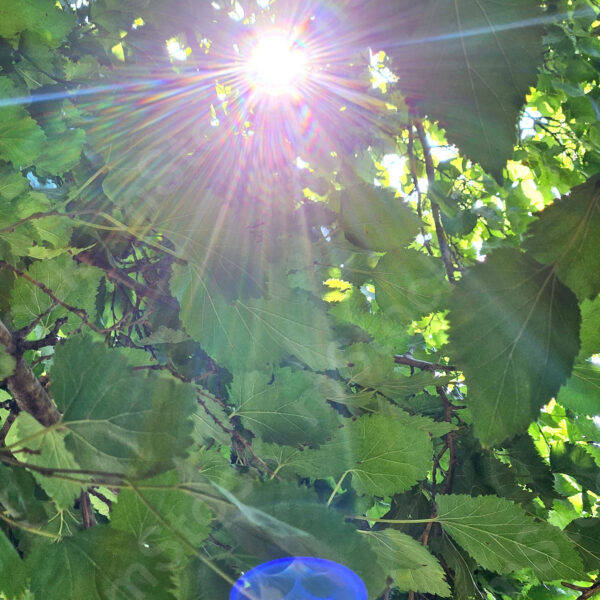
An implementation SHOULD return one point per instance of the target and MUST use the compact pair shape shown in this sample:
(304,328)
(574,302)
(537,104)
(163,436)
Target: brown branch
(118,276)
(100,496)
(449,439)
(51,339)
(8,424)
(25,387)
(435,209)
(407,359)
(586,592)
(87,511)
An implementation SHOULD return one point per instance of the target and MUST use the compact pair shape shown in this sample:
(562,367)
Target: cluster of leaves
(212,354)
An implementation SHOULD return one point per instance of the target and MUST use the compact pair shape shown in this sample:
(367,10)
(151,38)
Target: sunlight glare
(275,67)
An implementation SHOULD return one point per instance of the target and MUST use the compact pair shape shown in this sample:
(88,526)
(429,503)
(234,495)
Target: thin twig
(435,209)
(8,424)
(118,276)
(449,438)
(413,173)
(407,359)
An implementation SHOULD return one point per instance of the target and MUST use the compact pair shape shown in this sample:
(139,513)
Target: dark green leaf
(98,563)
(384,456)
(501,537)
(11,587)
(408,563)
(581,393)
(467,64)
(287,407)
(408,284)
(566,234)
(135,424)
(254,333)
(181,514)
(515,334)
(375,219)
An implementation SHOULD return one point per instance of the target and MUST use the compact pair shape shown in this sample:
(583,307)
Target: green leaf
(119,420)
(7,363)
(48,449)
(277,457)
(462,567)
(287,407)
(590,328)
(18,495)
(12,587)
(374,218)
(514,333)
(12,183)
(581,393)
(98,563)
(386,332)
(210,421)
(199,582)
(408,563)
(466,64)
(208,465)
(21,138)
(566,234)
(585,534)
(372,368)
(408,284)
(165,335)
(501,537)
(384,456)
(72,283)
(254,333)
(573,460)
(42,16)
(184,514)
(529,467)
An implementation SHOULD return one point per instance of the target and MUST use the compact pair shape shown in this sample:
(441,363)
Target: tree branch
(435,209)
(118,276)
(25,387)
(8,424)
(407,359)
(586,592)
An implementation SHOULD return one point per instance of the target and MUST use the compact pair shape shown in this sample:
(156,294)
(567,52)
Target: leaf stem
(337,487)
(394,521)
(28,528)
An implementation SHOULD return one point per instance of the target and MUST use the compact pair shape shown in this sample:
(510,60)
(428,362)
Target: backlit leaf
(136,424)
(514,334)
(566,234)
(501,537)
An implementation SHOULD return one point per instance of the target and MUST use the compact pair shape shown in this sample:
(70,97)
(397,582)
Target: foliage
(361,322)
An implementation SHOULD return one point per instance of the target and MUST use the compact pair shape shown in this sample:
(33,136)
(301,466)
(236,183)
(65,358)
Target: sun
(276,65)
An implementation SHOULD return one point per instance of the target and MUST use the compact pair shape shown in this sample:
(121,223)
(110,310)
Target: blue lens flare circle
(299,578)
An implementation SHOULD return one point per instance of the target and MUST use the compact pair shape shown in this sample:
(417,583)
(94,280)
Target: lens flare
(276,66)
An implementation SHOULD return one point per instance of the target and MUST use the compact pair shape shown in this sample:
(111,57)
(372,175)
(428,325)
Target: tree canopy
(357,321)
